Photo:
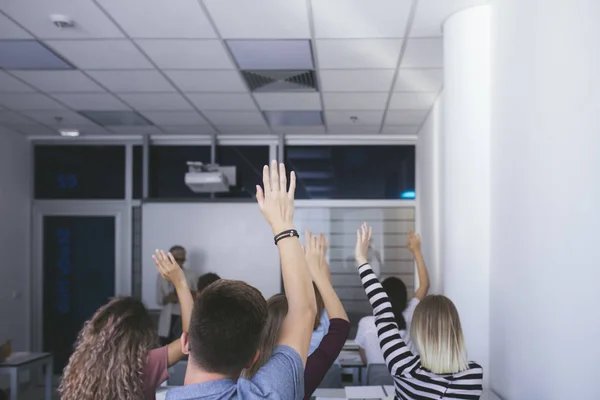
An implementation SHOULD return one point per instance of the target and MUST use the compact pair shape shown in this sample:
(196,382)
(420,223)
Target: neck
(195,375)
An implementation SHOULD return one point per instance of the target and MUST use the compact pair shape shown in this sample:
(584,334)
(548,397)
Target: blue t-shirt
(319,333)
(281,378)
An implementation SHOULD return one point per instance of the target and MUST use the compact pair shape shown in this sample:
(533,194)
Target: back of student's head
(110,353)
(396,291)
(225,327)
(277,309)
(437,333)
(206,280)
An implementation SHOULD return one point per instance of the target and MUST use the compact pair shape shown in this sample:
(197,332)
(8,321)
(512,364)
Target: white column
(545,151)
(465,173)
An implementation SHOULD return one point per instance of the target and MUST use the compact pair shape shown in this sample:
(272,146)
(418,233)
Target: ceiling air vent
(280,80)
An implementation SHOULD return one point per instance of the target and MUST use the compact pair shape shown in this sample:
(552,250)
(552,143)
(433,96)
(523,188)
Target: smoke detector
(62,21)
(354,119)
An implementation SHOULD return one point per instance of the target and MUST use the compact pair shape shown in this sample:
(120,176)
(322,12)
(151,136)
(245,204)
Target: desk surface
(21,358)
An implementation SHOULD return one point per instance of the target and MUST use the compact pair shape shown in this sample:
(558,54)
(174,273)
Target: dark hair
(225,328)
(396,291)
(206,280)
(176,248)
(110,353)
(320,308)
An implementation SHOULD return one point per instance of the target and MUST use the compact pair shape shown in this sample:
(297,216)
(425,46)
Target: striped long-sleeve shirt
(411,380)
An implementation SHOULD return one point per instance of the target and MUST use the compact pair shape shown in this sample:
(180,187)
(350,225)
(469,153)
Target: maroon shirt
(155,371)
(319,362)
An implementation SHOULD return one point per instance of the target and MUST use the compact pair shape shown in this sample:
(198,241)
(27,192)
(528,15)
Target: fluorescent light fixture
(69,132)
(272,54)
(410,194)
(30,54)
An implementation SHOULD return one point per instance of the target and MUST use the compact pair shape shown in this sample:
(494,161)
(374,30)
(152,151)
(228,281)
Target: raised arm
(172,272)
(332,343)
(396,354)
(277,206)
(414,245)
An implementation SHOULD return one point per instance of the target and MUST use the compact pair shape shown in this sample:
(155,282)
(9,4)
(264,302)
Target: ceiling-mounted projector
(209,178)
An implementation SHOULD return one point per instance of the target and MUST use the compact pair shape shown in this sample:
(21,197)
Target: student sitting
(113,357)
(229,317)
(205,280)
(442,370)
(366,336)
(326,353)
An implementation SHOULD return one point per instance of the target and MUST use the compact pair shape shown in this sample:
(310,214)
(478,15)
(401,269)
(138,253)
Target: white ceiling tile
(187,54)
(188,130)
(91,130)
(301,130)
(208,81)
(59,81)
(182,19)
(355,101)
(135,130)
(101,54)
(260,19)
(9,84)
(353,129)
(401,129)
(358,53)
(362,117)
(406,117)
(33,130)
(65,118)
(431,14)
(91,101)
(157,101)
(244,129)
(419,80)
(8,117)
(34,15)
(235,117)
(10,30)
(360,18)
(174,118)
(288,101)
(412,101)
(366,80)
(222,101)
(423,53)
(133,81)
(29,101)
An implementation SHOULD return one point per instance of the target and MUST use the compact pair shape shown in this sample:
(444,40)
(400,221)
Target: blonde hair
(437,333)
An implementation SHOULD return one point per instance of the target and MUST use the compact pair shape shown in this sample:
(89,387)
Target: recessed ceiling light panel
(272,54)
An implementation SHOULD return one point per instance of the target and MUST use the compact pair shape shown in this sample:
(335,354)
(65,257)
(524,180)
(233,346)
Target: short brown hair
(225,327)
(206,280)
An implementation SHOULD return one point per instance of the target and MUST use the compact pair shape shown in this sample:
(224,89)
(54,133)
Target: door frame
(119,209)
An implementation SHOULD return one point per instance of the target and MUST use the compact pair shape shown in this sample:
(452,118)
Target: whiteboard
(230,239)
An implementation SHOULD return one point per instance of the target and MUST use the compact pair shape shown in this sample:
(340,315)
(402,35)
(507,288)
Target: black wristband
(286,234)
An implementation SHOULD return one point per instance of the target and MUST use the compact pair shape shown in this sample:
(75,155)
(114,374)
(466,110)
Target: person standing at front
(167,298)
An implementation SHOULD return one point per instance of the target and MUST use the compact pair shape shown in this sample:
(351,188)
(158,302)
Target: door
(80,267)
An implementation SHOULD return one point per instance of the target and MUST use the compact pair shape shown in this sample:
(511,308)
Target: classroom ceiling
(221,66)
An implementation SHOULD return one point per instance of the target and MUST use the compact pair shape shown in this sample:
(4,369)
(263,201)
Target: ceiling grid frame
(313,47)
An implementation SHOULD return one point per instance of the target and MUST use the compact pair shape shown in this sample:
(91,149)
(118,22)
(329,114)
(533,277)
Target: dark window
(353,172)
(79,172)
(138,171)
(249,161)
(168,166)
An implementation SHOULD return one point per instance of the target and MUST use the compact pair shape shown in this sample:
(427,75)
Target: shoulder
(283,373)
(155,369)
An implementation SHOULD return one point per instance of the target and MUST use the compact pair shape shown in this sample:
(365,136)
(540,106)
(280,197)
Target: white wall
(15,206)
(545,265)
(428,192)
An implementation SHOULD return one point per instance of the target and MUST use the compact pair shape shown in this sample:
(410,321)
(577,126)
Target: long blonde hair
(437,333)
(110,354)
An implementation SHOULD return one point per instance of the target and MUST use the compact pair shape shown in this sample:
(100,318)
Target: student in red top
(114,356)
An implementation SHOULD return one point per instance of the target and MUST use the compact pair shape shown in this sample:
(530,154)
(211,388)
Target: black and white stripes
(411,380)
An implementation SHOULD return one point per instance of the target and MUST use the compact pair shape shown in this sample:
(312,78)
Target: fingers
(292,190)
(282,178)
(274,177)
(172,259)
(260,196)
(266,179)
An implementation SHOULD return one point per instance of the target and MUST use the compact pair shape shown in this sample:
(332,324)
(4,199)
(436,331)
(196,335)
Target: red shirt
(155,371)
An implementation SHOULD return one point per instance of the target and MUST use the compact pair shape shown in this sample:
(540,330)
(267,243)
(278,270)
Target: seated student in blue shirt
(228,318)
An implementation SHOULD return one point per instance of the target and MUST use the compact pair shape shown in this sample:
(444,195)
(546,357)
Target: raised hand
(168,268)
(414,242)
(315,251)
(275,201)
(363,238)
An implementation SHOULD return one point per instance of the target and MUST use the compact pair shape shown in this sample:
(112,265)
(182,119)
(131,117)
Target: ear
(254,359)
(185,344)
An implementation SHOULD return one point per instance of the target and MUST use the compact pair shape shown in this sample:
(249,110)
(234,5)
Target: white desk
(23,360)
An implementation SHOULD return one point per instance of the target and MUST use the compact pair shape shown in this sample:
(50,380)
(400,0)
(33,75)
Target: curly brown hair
(110,353)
